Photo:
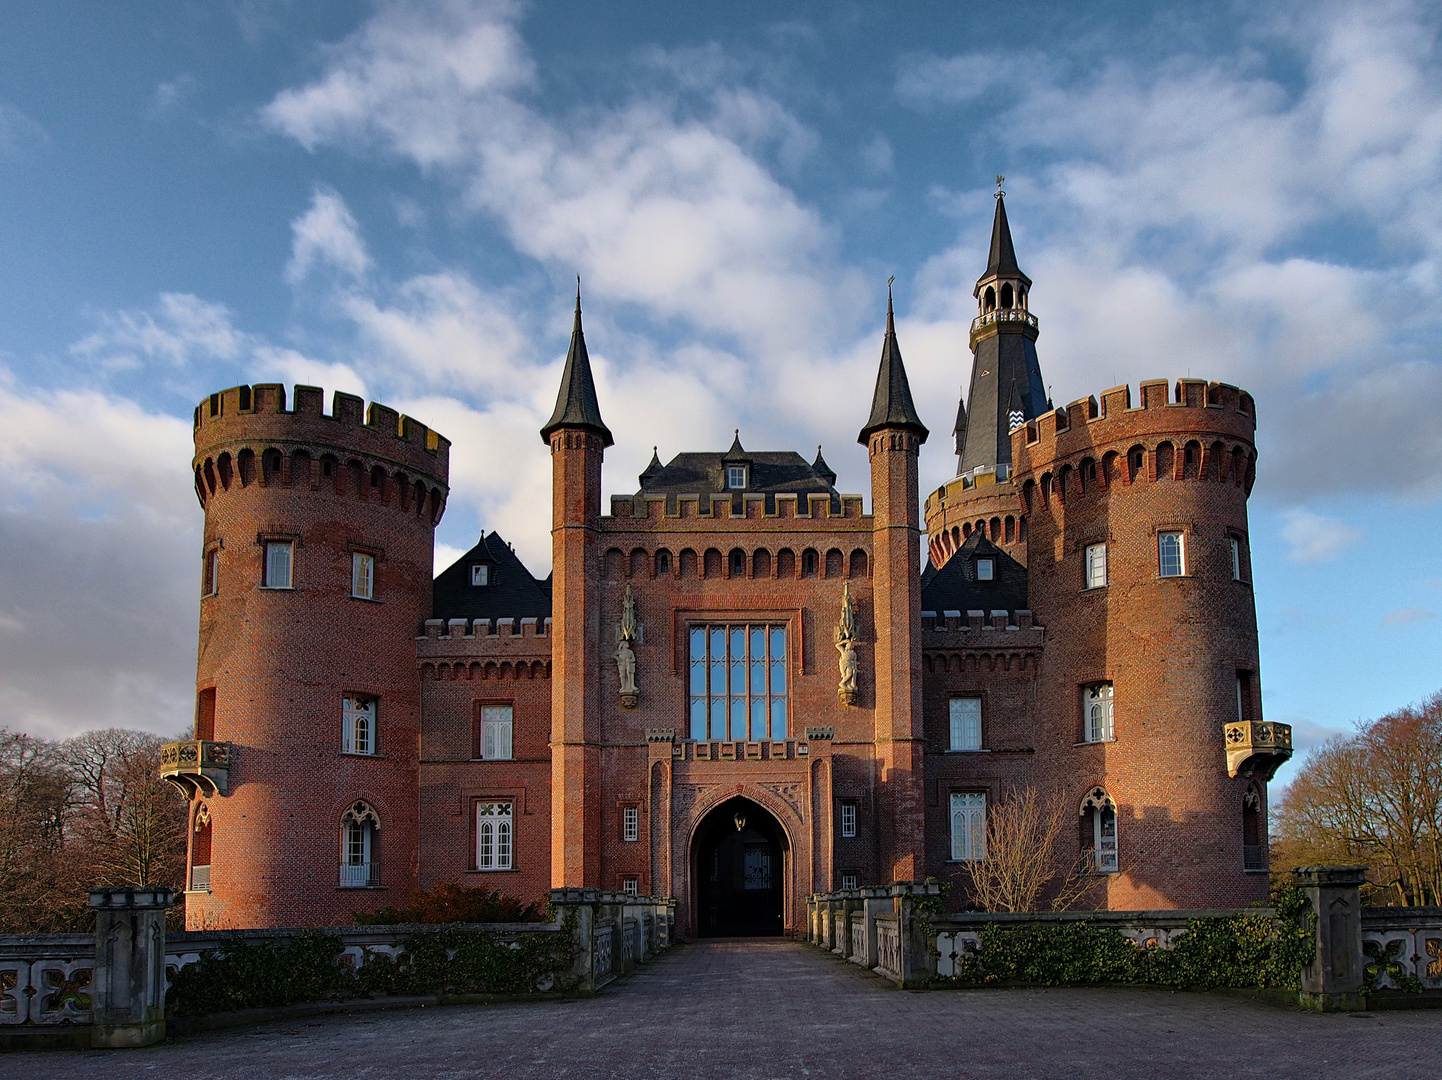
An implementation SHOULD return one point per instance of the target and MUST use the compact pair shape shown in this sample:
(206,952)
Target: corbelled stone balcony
(1001,315)
(197,765)
(1257,748)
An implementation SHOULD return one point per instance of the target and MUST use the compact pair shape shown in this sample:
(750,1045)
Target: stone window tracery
(359,866)
(493,835)
(1099,830)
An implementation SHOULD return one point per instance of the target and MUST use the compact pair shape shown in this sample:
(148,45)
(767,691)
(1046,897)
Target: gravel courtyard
(770,1009)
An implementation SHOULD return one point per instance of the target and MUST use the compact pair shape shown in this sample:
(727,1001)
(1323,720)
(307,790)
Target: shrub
(451,902)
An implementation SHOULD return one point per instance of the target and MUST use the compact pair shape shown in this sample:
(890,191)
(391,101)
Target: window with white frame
(1099,830)
(495,733)
(966,723)
(358,724)
(630,823)
(1236,546)
(210,576)
(735,476)
(359,866)
(848,819)
(1097,712)
(1171,554)
(362,575)
(480,574)
(738,682)
(985,569)
(968,826)
(278,564)
(1095,559)
(631,886)
(493,835)
(849,881)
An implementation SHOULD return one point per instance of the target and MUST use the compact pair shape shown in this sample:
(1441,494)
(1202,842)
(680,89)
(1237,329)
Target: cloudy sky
(395,198)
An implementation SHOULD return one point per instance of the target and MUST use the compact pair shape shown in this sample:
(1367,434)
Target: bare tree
(1027,856)
(38,889)
(1375,799)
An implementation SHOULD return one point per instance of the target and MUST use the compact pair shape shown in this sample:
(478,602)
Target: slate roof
(891,404)
(1002,258)
(576,404)
(769,472)
(513,592)
(954,587)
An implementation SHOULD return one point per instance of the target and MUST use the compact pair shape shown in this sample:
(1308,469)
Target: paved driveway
(762,1009)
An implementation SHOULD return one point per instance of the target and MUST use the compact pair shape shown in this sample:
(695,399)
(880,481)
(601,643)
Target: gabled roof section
(891,404)
(576,404)
(954,587)
(511,591)
(1002,260)
(769,473)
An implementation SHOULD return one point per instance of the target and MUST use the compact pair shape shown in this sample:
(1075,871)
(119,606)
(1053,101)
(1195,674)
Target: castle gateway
(738,687)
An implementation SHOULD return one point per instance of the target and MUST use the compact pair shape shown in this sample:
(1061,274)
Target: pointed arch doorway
(740,871)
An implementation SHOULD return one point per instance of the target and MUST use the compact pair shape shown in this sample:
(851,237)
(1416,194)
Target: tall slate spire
(1002,260)
(891,405)
(576,404)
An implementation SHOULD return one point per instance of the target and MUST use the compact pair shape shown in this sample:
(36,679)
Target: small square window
(1095,557)
(358,724)
(362,576)
(278,563)
(496,733)
(631,886)
(631,823)
(848,881)
(480,574)
(735,476)
(1171,554)
(965,723)
(985,569)
(848,819)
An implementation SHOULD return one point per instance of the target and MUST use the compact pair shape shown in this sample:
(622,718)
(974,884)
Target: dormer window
(736,477)
(480,574)
(985,569)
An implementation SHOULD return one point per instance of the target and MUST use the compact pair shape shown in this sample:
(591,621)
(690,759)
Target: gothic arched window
(1099,830)
(359,857)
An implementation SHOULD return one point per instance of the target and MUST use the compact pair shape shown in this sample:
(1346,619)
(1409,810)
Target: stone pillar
(918,963)
(127,989)
(875,900)
(580,905)
(1333,980)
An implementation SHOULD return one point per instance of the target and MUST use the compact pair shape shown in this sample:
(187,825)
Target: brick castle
(737,687)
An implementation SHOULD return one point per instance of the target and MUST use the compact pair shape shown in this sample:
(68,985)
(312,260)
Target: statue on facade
(627,635)
(845,638)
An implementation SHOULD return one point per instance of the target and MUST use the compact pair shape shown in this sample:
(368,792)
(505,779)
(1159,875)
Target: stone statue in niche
(627,635)
(845,638)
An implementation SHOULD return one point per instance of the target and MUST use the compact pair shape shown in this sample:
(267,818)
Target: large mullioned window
(738,682)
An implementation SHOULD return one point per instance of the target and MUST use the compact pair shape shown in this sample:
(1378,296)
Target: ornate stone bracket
(628,634)
(845,638)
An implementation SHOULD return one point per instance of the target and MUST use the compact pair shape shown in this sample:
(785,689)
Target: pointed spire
(959,429)
(651,469)
(1003,255)
(821,469)
(737,451)
(891,405)
(576,404)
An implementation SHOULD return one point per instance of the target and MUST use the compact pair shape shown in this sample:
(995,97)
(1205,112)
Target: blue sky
(394,199)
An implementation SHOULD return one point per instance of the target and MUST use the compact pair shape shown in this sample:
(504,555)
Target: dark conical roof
(737,451)
(959,430)
(891,405)
(1003,255)
(822,469)
(576,404)
(653,468)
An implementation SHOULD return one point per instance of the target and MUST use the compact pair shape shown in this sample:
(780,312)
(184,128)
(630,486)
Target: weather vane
(1000,179)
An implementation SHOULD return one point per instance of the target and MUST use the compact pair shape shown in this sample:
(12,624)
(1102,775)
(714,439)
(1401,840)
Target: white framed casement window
(965,723)
(985,569)
(1171,554)
(1094,558)
(480,574)
(1097,712)
(849,881)
(630,823)
(358,724)
(848,819)
(1236,546)
(1099,820)
(736,477)
(278,564)
(496,733)
(359,865)
(631,886)
(362,575)
(210,573)
(493,835)
(968,826)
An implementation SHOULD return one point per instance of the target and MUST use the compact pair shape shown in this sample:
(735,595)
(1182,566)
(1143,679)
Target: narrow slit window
(1096,565)
(631,823)
(362,575)
(848,819)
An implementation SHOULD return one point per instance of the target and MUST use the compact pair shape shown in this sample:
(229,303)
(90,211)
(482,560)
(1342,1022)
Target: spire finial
(578,292)
(1000,179)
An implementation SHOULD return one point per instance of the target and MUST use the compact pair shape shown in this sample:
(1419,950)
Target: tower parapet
(317,569)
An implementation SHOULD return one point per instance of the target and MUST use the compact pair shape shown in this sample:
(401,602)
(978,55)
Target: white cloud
(924,80)
(172,94)
(326,235)
(181,330)
(1406,616)
(1316,538)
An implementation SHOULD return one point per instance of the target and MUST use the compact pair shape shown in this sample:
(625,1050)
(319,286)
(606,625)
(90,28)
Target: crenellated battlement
(246,435)
(1194,428)
(701,513)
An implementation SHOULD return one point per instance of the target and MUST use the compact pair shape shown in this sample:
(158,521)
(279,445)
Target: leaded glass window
(738,682)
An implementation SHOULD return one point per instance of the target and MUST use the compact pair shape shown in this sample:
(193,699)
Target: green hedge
(1251,951)
(309,968)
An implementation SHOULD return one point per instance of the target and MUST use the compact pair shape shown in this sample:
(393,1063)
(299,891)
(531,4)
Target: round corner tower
(1138,560)
(317,570)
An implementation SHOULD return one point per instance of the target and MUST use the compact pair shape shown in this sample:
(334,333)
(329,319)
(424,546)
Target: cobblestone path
(755,1009)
